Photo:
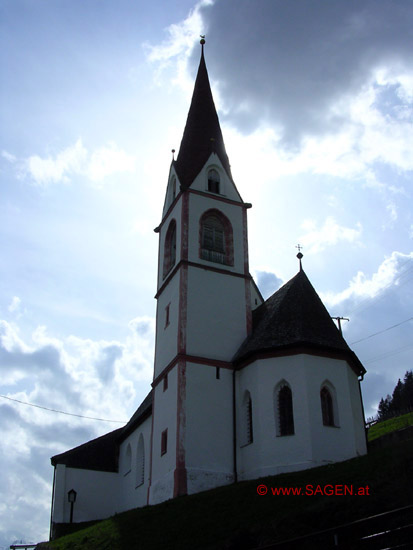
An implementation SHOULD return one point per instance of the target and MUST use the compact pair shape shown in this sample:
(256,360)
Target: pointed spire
(202,134)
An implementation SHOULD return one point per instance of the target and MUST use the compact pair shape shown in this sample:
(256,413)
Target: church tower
(203,297)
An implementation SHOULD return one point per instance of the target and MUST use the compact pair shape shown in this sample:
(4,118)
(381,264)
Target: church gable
(214,180)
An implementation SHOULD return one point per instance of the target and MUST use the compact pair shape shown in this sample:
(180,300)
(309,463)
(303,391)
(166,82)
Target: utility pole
(339,319)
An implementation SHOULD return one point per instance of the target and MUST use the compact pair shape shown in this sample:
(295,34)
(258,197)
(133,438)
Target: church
(243,387)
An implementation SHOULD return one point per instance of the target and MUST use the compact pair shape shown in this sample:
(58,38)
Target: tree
(401,399)
(397,402)
(384,408)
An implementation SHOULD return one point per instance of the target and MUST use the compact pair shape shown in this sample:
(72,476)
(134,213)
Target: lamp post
(71,497)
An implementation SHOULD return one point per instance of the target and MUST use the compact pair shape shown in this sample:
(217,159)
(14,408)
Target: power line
(380,332)
(387,354)
(61,412)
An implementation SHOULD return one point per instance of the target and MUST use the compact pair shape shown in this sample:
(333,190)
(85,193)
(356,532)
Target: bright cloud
(14,305)
(77,160)
(315,239)
(394,270)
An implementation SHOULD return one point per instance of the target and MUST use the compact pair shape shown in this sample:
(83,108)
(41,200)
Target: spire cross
(202,42)
(299,255)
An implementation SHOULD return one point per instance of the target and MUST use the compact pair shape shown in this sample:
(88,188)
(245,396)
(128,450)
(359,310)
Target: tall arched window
(248,433)
(327,408)
(284,409)
(213,181)
(127,465)
(216,238)
(169,258)
(140,462)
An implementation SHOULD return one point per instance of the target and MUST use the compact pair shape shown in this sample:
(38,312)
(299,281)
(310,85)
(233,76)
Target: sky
(315,101)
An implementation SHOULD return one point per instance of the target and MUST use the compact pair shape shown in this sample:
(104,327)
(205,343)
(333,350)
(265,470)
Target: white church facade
(242,387)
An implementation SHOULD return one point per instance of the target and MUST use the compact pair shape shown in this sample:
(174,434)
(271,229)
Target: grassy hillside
(391,425)
(236,517)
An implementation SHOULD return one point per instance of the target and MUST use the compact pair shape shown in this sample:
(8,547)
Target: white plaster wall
(312,443)
(216,314)
(167,336)
(197,206)
(130,493)
(209,441)
(96,494)
(227,188)
(165,417)
(59,494)
(269,454)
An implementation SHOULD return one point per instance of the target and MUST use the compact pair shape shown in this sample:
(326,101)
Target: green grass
(391,425)
(236,517)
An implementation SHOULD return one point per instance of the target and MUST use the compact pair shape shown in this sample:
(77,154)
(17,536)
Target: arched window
(327,408)
(213,181)
(169,258)
(284,410)
(248,433)
(127,466)
(140,462)
(216,238)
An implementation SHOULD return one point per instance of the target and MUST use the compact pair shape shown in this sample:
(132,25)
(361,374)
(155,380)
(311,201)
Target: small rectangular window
(165,382)
(164,442)
(218,374)
(167,315)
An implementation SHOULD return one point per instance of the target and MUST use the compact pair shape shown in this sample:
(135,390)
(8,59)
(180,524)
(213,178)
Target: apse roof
(202,135)
(294,317)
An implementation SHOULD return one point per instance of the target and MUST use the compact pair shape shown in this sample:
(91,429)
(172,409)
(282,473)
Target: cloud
(329,234)
(14,305)
(394,271)
(77,160)
(70,374)
(333,81)
(9,157)
(268,283)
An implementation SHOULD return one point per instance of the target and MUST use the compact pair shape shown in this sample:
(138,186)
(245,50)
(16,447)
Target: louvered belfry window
(327,407)
(213,240)
(285,411)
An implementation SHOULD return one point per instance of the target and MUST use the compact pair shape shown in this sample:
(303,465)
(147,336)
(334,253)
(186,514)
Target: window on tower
(213,181)
(216,239)
(170,249)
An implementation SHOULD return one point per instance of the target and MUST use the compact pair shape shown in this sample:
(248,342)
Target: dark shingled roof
(295,317)
(99,454)
(202,134)
(102,453)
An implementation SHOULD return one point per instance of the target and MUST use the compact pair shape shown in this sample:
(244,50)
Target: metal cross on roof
(299,255)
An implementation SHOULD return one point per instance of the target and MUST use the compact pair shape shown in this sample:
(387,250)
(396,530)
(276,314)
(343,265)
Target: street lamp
(71,497)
